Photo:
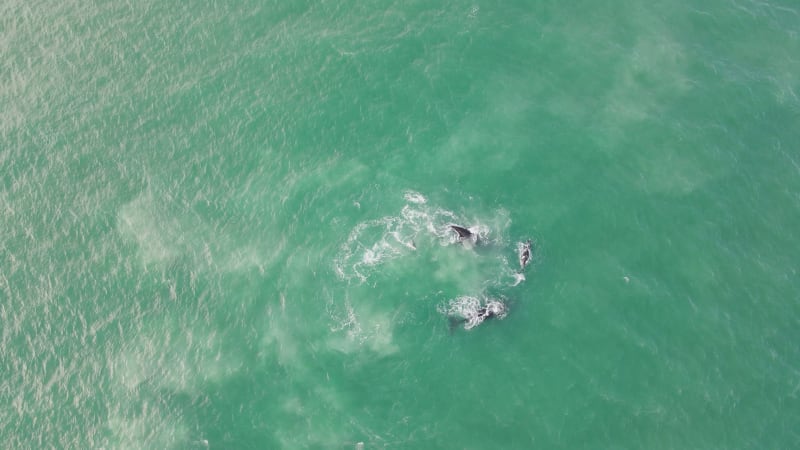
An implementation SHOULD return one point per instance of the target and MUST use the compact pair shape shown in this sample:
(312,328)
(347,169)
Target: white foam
(415,197)
(375,242)
(468,307)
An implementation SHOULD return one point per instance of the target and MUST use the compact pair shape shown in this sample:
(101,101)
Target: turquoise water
(224,226)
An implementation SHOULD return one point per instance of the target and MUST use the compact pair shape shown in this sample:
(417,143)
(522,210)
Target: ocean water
(223,225)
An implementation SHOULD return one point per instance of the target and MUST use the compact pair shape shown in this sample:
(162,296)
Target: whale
(486,313)
(466,236)
(462,232)
(525,254)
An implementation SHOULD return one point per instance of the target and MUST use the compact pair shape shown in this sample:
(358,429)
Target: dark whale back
(463,233)
(525,255)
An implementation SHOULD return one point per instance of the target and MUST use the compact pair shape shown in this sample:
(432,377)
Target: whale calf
(525,254)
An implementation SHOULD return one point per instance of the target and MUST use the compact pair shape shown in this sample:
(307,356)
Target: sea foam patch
(472,311)
(375,242)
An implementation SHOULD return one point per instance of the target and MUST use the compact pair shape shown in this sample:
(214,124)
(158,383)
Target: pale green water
(204,211)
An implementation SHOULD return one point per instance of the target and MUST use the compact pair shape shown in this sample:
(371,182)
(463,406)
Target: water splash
(375,242)
(473,310)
